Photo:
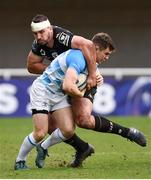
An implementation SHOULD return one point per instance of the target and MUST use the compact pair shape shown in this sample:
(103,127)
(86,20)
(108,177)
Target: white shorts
(42,99)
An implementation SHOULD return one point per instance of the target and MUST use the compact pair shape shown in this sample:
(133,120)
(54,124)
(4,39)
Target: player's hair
(39,18)
(103,40)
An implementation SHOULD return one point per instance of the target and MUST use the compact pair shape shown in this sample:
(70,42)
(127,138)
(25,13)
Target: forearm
(88,49)
(73,91)
(69,83)
(36,68)
(90,56)
(35,63)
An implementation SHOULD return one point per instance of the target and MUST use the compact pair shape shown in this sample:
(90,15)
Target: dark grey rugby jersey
(62,42)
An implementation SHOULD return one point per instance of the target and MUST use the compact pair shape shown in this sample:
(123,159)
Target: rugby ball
(82,81)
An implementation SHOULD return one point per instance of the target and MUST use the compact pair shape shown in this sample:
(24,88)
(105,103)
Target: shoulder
(58,30)
(34,44)
(76,59)
(35,47)
(40,50)
(62,36)
(75,53)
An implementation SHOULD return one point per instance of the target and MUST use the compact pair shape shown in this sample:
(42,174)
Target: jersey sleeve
(35,48)
(76,60)
(63,36)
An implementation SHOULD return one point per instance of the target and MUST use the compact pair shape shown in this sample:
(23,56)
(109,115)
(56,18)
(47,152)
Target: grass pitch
(114,157)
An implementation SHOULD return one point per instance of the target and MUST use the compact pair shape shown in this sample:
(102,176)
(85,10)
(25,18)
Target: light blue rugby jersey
(54,74)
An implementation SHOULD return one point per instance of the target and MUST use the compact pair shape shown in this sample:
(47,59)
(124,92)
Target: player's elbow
(33,68)
(89,44)
(82,43)
(29,68)
(29,65)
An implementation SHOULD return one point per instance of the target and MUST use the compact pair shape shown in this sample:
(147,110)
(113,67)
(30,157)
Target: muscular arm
(69,83)
(89,52)
(35,64)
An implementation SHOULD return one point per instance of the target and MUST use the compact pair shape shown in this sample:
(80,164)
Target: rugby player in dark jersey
(49,42)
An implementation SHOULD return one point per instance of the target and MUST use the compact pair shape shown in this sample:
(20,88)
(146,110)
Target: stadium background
(128,22)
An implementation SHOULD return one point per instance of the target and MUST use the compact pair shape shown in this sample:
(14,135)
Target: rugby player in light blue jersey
(49,93)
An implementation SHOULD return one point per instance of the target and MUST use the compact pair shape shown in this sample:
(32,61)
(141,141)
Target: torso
(55,72)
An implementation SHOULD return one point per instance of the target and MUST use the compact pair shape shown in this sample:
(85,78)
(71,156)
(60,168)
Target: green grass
(114,157)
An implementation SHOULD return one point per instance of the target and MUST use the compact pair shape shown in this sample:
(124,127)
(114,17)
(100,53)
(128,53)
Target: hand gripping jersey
(62,42)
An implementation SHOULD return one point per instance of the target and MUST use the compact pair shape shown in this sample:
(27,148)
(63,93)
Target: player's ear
(97,48)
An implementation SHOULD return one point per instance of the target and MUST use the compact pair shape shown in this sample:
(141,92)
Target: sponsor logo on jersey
(63,38)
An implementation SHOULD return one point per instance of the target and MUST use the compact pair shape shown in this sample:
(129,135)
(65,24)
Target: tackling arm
(69,83)
(89,52)
(35,64)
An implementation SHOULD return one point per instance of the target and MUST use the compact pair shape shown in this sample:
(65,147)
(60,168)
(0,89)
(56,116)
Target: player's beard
(42,42)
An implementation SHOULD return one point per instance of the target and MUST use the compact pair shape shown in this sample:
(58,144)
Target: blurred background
(127,74)
(128,22)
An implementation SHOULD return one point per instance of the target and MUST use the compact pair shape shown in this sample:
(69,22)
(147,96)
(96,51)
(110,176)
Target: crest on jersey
(42,52)
(63,38)
(54,54)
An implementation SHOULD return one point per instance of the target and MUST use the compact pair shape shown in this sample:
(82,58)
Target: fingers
(91,84)
(99,79)
(95,80)
(91,81)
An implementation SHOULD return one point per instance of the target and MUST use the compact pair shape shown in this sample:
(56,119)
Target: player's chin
(42,42)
